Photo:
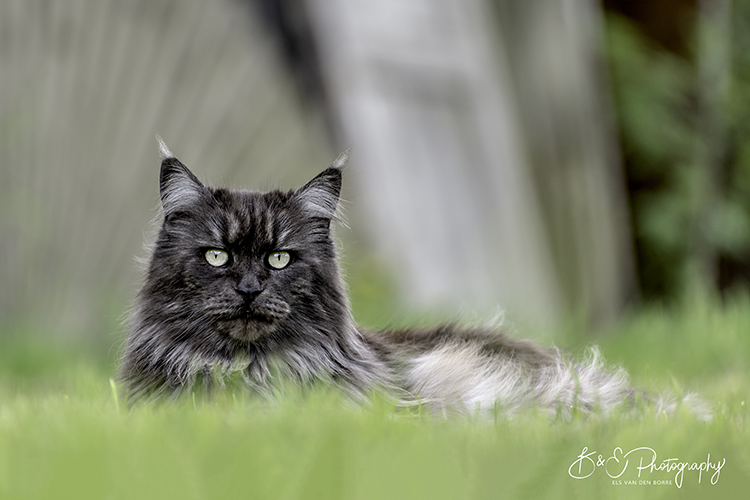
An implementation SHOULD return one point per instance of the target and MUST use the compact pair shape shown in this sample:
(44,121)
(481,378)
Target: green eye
(279,260)
(217,257)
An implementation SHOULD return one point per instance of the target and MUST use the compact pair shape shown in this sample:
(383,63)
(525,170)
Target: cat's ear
(178,187)
(320,196)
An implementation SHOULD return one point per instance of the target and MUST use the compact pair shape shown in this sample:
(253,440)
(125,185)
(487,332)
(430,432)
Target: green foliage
(63,436)
(684,123)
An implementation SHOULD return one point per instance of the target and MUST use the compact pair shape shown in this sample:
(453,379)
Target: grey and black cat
(241,280)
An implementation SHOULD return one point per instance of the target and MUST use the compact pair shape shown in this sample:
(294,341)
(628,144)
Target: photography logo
(641,466)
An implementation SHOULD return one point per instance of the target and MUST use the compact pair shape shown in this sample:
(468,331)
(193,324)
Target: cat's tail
(668,404)
(608,384)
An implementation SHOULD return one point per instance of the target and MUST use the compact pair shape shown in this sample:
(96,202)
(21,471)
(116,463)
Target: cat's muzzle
(253,321)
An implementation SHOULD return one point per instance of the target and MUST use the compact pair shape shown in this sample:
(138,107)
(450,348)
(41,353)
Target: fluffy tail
(466,377)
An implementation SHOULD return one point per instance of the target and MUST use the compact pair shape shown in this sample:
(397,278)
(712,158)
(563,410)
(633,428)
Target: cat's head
(248,266)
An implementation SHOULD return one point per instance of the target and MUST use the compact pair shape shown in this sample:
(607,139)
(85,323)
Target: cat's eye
(216,257)
(279,260)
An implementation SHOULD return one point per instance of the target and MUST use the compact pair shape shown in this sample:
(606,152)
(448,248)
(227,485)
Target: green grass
(62,434)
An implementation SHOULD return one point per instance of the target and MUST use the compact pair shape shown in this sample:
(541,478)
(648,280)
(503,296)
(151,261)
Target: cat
(243,281)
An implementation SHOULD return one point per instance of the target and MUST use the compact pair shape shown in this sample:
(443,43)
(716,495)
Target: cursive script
(643,459)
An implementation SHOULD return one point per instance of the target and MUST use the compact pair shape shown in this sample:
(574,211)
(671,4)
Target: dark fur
(193,320)
(191,317)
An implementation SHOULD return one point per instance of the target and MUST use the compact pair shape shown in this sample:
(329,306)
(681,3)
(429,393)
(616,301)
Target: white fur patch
(459,377)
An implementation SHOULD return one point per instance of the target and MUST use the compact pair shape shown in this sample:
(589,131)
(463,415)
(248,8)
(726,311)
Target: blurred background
(549,158)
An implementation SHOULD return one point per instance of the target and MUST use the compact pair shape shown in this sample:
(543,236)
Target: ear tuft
(164,151)
(341,160)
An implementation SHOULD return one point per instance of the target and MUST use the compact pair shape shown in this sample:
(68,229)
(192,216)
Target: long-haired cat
(241,280)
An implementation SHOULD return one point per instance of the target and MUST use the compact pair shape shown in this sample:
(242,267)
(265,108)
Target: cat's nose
(249,290)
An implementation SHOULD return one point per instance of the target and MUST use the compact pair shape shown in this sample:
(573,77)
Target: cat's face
(244,265)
